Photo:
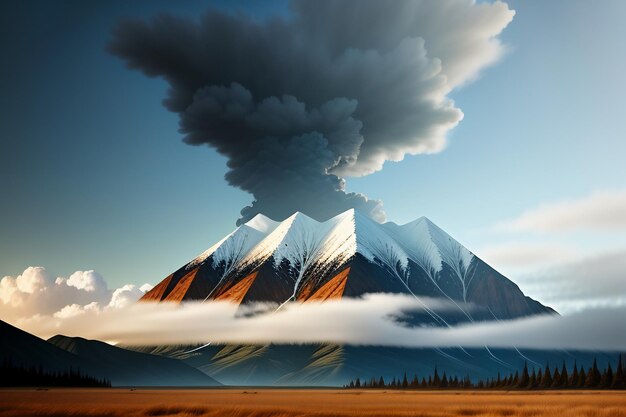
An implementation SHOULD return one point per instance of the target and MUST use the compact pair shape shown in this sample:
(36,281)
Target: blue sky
(94,174)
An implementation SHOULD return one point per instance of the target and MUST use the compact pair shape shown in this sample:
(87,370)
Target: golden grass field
(306,402)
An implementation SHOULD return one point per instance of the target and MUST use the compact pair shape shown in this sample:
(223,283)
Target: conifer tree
(509,381)
(556,378)
(593,376)
(582,378)
(573,382)
(539,378)
(607,377)
(564,381)
(436,379)
(547,378)
(618,378)
(533,379)
(444,380)
(525,379)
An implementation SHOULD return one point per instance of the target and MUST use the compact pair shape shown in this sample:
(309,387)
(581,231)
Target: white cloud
(15,290)
(9,293)
(126,295)
(32,279)
(527,255)
(71,310)
(36,292)
(90,281)
(92,307)
(601,211)
(564,274)
(366,321)
(595,281)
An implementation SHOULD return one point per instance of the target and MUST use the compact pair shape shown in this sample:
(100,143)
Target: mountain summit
(348,255)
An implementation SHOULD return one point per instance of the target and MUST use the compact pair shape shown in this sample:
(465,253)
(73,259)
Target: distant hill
(22,348)
(335,365)
(97,359)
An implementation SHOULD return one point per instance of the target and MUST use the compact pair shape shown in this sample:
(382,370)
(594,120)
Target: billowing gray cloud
(336,89)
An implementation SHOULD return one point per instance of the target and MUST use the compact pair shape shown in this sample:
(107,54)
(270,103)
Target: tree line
(539,379)
(12,375)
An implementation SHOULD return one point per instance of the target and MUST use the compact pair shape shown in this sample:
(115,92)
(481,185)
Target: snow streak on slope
(314,248)
(266,247)
(375,244)
(307,246)
(340,243)
(430,247)
(231,249)
(416,239)
(301,246)
(454,254)
(311,250)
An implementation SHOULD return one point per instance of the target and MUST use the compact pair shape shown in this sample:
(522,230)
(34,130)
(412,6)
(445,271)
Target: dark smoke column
(297,104)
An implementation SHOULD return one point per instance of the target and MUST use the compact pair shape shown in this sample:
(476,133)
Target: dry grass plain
(307,402)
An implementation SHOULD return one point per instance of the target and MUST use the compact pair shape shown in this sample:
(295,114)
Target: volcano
(349,255)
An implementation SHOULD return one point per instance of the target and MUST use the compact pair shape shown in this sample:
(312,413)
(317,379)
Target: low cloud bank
(371,320)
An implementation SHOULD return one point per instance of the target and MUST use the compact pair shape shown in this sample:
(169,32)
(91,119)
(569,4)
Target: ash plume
(333,90)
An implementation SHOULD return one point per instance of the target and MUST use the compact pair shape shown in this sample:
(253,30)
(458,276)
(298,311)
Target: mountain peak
(261,223)
(347,256)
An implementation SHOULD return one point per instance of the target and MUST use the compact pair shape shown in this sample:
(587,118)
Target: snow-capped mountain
(346,256)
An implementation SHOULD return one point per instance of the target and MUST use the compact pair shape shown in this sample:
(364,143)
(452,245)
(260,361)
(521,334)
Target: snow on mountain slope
(454,254)
(298,241)
(378,246)
(265,260)
(305,243)
(233,248)
(416,239)
(430,247)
